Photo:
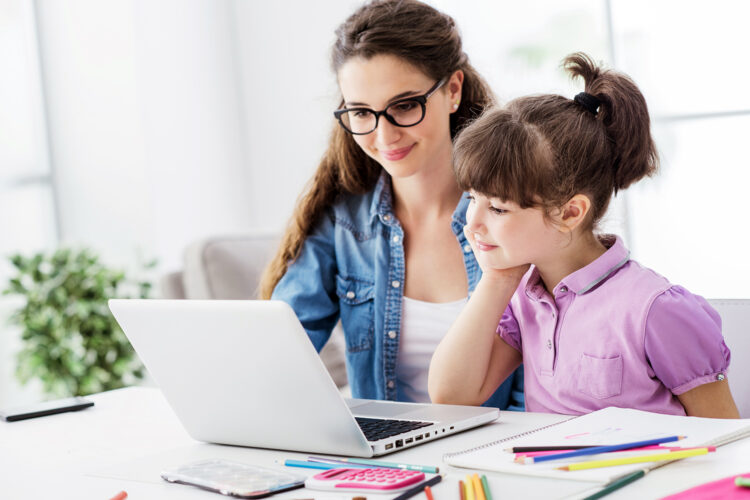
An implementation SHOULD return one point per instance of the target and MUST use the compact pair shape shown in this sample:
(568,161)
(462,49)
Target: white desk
(130,435)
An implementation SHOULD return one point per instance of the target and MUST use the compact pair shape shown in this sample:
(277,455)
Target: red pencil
(461,490)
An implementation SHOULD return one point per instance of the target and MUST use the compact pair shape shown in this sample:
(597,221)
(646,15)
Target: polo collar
(588,277)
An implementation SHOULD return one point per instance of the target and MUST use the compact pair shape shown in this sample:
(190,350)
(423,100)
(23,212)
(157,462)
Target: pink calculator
(374,480)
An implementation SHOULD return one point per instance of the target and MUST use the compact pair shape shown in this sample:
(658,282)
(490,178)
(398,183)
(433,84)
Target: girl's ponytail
(624,114)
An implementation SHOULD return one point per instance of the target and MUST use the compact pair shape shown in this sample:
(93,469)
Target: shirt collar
(382,198)
(588,277)
(382,203)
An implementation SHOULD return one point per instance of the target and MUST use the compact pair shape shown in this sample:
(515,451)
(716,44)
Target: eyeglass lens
(404,113)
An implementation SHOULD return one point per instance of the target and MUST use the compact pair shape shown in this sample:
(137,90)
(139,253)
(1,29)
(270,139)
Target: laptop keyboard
(380,428)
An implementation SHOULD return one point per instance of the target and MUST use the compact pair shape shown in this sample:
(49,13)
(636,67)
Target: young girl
(593,327)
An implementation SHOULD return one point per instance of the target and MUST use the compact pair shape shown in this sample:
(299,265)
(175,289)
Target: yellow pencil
(469,488)
(478,489)
(674,455)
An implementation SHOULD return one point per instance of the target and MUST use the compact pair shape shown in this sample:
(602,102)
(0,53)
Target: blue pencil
(600,449)
(320,465)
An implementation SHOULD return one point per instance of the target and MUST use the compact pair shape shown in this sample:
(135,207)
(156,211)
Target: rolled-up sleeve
(509,330)
(683,341)
(309,284)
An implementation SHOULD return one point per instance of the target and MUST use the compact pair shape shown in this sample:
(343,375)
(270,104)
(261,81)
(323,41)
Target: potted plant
(70,340)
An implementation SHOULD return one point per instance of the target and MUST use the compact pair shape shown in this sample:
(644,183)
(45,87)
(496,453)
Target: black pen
(419,488)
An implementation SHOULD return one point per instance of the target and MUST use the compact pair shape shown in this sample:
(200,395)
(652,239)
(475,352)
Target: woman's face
(403,151)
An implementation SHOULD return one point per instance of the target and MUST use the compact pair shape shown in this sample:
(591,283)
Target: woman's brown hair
(420,35)
(540,151)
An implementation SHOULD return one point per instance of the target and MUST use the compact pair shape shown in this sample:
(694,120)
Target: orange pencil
(461,491)
(120,496)
(428,492)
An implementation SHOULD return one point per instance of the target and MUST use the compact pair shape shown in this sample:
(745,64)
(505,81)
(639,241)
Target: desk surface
(130,435)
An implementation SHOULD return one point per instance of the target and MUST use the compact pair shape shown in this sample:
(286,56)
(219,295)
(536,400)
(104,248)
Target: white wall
(289,94)
(146,133)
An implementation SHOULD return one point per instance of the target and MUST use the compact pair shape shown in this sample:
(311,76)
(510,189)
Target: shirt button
(391,384)
(467,248)
(350,295)
(395,284)
(387,217)
(720,376)
(396,239)
(549,344)
(392,334)
(563,289)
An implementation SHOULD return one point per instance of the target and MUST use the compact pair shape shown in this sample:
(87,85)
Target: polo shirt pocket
(356,299)
(600,378)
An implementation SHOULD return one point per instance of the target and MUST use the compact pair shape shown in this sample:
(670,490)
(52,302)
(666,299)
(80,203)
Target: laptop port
(427,436)
(399,443)
(408,440)
(418,438)
(389,446)
(451,427)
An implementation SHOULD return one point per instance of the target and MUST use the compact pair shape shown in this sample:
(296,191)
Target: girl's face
(403,151)
(505,235)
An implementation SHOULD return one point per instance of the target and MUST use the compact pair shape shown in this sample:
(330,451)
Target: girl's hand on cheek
(491,273)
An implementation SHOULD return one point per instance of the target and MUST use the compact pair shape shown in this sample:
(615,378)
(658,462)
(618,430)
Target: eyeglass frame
(421,99)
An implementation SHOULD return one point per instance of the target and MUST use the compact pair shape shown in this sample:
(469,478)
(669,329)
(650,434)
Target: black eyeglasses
(402,113)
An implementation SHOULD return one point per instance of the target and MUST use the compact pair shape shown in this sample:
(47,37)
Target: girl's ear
(574,212)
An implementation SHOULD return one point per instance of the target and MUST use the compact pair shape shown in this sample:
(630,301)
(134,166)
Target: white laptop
(245,373)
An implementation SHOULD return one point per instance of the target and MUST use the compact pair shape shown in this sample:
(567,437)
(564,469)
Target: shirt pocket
(600,378)
(356,299)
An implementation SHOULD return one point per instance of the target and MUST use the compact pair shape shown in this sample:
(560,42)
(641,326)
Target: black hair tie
(589,102)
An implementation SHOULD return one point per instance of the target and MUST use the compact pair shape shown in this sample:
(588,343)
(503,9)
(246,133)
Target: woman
(378,238)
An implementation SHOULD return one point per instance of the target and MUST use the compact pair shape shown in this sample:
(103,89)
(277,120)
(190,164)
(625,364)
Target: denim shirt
(352,267)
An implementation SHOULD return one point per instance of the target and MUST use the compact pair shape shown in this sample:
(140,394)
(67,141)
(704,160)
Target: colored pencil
(600,449)
(742,481)
(478,489)
(461,490)
(617,483)
(376,463)
(320,465)
(486,485)
(428,492)
(419,488)
(529,449)
(659,457)
(642,448)
(469,488)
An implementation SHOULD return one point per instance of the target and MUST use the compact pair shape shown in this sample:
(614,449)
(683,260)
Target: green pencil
(486,487)
(617,484)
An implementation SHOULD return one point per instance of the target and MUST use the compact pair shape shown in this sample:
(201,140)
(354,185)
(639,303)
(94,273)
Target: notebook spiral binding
(505,439)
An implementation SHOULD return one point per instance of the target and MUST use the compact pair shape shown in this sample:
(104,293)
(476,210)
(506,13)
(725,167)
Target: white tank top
(423,325)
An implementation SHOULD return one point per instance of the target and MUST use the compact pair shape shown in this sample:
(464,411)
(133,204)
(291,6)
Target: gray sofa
(230,268)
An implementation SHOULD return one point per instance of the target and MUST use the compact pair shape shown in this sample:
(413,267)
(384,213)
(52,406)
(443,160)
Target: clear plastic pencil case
(234,478)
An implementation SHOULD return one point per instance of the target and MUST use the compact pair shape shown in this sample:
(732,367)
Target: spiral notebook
(602,427)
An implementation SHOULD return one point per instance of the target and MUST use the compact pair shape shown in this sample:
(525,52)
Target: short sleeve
(683,341)
(508,329)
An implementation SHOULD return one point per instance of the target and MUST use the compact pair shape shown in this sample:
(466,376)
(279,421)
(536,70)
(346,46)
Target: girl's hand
(512,273)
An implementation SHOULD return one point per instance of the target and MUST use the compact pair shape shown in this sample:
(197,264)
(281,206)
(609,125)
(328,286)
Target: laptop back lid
(241,373)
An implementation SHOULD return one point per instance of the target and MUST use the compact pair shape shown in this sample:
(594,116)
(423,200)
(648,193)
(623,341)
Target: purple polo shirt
(615,334)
